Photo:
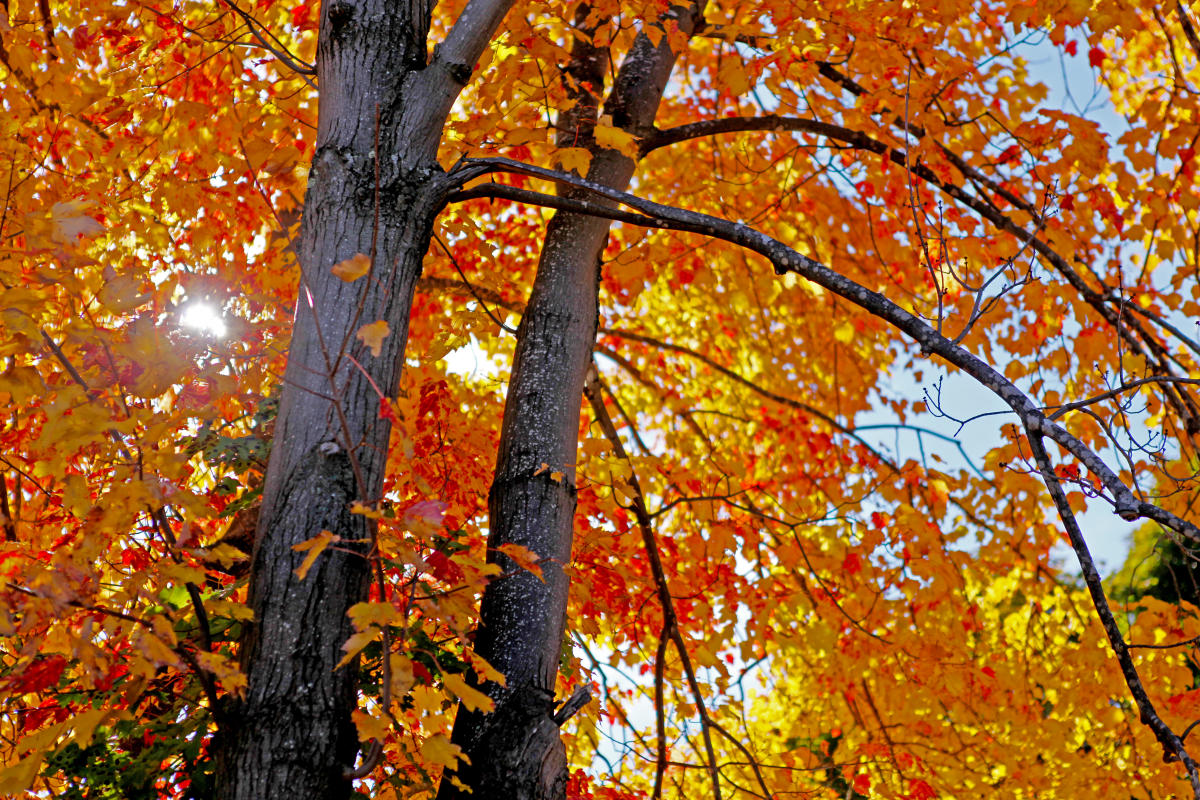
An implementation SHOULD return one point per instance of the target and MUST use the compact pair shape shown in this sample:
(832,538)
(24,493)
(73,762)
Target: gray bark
(515,751)
(374,188)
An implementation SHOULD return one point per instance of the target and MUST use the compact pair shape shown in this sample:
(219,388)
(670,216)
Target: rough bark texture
(374,188)
(515,751)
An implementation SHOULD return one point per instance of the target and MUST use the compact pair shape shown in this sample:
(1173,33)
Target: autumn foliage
(769,597)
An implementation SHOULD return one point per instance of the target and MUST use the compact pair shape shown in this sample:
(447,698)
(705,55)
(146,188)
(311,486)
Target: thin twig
(292,62)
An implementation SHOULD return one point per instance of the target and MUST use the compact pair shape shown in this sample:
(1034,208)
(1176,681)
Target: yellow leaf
(380,615)
(483,669)
(373,334)
(155,650)
(227,608)
(315,546)
(525,558)
(443,344)
(616,139)
(844,333)
(369,727)
(45,738)
(70,223)
(225,554)
(352,268)
(940,491)
(439,750)
(524,136)
(83,726)
(120,292)
(733,76)
(227,673)
(19,778)
(370,512)
(402,675)
(471,697)
(355,644)
(573,159)
(556,477)
(427,699)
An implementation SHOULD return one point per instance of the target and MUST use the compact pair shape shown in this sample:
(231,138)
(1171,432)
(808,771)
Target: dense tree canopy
(696,253)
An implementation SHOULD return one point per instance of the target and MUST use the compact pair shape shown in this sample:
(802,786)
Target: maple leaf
(524,558)
(312,548)
(438,750)
(71,223)
(443,568)
(471,698)
(373,334)
(352,268)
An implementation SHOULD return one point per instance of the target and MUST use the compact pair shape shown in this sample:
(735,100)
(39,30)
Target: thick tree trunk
(515,751)
(374,188)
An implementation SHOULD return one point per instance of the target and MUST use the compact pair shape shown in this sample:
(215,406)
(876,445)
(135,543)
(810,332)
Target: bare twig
(277,49)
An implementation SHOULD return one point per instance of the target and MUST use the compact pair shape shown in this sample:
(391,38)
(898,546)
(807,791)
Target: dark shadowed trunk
(374,188)
(515,751)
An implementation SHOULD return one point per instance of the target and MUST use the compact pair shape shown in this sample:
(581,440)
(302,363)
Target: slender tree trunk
(515,751)
(374,188)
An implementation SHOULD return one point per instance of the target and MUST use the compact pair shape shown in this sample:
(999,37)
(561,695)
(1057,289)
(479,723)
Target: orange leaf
(352,268)
(525,558)
(373,334)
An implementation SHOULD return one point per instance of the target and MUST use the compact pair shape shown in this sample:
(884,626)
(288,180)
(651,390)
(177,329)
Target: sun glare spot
(203,318)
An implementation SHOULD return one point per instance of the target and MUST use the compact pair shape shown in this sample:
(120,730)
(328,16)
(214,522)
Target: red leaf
(921,791)
(443,568)
(1071,48)
(1010,154)
(1096,56)
(41,674)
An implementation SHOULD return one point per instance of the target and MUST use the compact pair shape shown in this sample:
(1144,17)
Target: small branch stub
(578,699)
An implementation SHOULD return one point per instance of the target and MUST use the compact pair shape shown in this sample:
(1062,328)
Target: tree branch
(1124,387)
(471,33)
(1173,747)
(593,391)
(297,65)
(1189,30)
(754,387)
(784,259)
(1138,338)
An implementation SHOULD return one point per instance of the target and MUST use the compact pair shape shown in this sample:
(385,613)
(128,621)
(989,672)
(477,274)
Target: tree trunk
(374,188)
(515,751)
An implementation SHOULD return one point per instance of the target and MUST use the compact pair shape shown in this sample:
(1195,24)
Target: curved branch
(784,259)
(280,52)
(1124,387)
(1172,744)
(1132,331)
(471,33)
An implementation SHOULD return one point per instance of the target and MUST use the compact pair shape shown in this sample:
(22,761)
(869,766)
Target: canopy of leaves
(856,620)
